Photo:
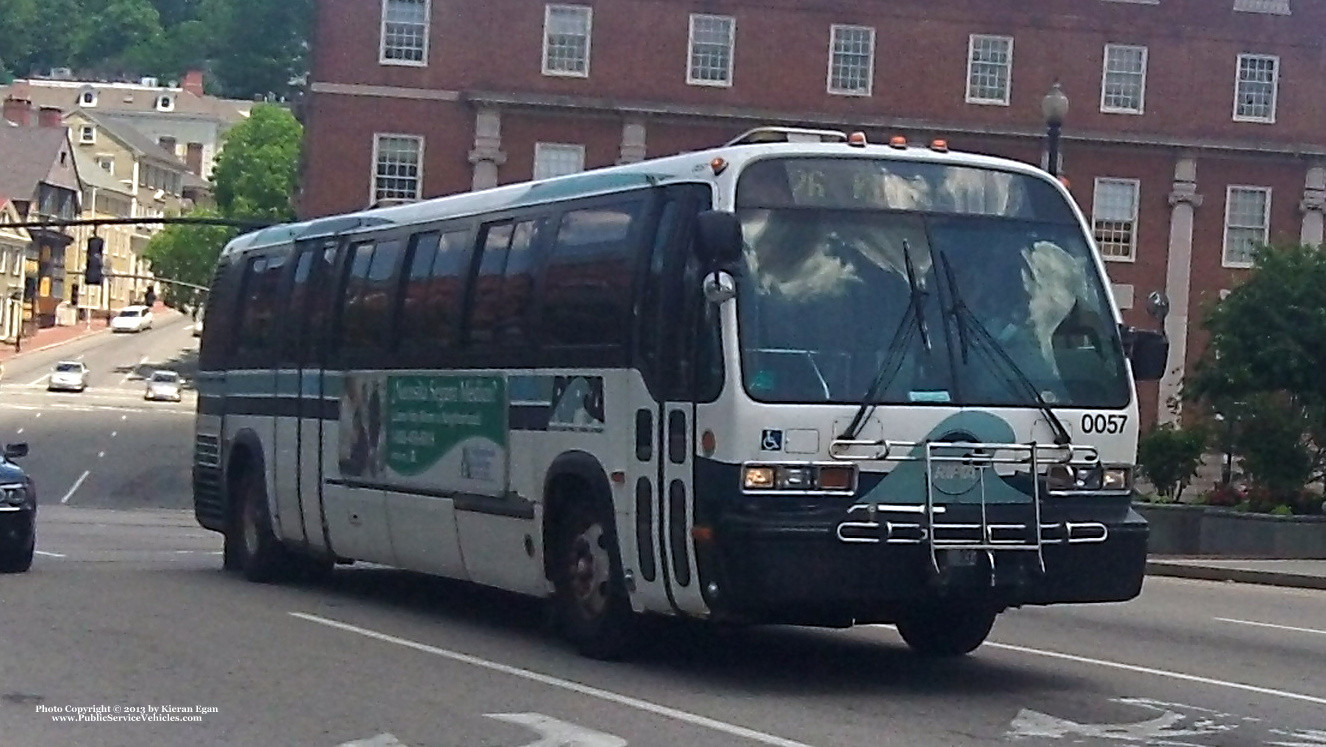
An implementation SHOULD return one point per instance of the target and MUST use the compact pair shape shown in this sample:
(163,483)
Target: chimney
(193,82)
(18,111)
(50,116)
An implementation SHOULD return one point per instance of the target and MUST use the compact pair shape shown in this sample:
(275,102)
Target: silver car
(163,385)
(68,376)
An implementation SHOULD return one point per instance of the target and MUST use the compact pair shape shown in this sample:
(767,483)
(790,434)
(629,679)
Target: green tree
(187,252)
(1168,457)
(1265,360)
(115,29)
(257,172)
(263,45)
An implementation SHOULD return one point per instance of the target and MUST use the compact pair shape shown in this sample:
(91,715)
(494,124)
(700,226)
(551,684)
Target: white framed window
(1114,218)
(989,69)
(1273,7)
(88,98)
(1247,223)
(404,32)
(165,103)
(851,60)
(709,51)
(557,159)
(397,167)
(1255,87)
(1123,80)
(87,134)
(566,35)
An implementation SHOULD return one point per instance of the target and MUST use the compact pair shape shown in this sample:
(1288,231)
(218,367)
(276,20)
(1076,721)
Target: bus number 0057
(1103,423)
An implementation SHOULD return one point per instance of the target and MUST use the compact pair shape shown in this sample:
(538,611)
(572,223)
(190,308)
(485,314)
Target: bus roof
(687,167)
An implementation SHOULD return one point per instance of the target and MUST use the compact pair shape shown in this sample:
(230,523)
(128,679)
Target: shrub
(1168,456)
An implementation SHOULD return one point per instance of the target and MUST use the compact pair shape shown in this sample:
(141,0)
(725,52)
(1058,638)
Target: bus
(797,379)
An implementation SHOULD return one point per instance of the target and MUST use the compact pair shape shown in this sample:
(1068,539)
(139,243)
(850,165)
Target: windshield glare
(825,291)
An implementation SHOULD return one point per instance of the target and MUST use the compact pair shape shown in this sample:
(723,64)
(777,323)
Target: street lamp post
(1055,108)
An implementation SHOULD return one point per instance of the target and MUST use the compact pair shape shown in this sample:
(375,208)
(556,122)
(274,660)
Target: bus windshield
(825,292)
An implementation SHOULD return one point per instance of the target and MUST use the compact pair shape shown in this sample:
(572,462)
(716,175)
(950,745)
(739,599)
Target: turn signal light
(718,165)
(898,141)
(835,478)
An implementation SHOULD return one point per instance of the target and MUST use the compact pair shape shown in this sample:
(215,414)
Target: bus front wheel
(592,609)
(946,629)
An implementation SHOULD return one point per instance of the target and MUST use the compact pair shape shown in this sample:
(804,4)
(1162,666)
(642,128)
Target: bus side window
(518,284)
(587,280)
(353,323)
(433,290)
(258,312)
(486,289)
(296,308)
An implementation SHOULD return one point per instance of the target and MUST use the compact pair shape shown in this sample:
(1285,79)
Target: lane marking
(101,454)
(1269,625)
(77,482)
(113,433)
(1162,673)
(38,382)
(134,372)
(18,432)
(575,687)
(48,554)
(124,417)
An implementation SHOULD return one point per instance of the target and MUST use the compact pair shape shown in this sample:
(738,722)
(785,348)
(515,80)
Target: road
(127,607)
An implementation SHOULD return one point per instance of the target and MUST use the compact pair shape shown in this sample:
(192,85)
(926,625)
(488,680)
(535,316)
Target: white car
(132,319)
(68,376)
(163,385)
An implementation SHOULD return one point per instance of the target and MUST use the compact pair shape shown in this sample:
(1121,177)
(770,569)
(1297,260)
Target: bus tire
(592,609)
(260,555)
(942,630)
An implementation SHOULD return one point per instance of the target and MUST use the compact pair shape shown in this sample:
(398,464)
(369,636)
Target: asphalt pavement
(1305,574)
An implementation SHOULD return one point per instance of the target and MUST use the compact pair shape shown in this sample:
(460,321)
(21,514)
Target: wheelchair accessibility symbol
(771,440)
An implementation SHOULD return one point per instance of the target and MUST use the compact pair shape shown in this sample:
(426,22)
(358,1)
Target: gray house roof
(129,97)
(30,156)
(133,139)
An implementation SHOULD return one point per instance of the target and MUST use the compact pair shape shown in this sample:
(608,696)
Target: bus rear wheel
(590,596)
(257,553)
(940,630)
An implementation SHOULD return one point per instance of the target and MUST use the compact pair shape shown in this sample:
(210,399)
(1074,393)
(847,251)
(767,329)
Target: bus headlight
(13,495)
(1079,478)
(799,478)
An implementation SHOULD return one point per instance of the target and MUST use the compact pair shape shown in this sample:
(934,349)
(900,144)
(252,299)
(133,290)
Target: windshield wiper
(973,335)
(911,324)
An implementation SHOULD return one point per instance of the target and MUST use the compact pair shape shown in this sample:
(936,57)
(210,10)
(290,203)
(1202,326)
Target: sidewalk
(1302,574)
(51,336)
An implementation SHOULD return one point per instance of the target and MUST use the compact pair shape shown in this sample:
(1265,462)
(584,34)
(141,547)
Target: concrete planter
(1203,530)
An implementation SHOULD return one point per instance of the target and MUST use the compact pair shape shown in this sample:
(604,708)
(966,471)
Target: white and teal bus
(796,379)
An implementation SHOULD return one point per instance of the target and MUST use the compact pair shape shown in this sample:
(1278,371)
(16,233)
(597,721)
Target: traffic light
(93,272)
(73,295)
(151,298)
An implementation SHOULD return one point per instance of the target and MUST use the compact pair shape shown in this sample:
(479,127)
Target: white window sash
(729,49)
(1239,82)
(585,31)
(550,157)
(418,177)
(1263,230)
(841,90)
(424,29)
(1007,67)
(1105,105)
(1134,187)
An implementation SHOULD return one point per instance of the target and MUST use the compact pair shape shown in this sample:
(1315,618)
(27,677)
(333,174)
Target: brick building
(1197,128)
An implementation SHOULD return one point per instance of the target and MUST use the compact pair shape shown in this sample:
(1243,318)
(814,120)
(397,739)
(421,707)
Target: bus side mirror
(15,451)
(1149,352)
(718,237)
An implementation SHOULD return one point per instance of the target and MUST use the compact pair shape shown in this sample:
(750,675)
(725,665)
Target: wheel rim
(249,526)
(588,572)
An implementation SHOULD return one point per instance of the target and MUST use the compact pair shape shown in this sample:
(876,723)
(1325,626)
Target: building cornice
(624,108)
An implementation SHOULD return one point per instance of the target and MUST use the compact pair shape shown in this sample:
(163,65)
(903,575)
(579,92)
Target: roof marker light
(857,140)
(939,144)
(898,141)
(718,165)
